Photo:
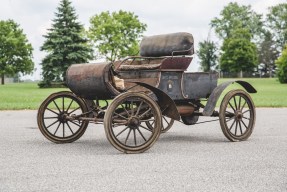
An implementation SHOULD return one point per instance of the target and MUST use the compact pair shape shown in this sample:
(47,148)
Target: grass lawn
(270,93)
(23,96)
(28,96)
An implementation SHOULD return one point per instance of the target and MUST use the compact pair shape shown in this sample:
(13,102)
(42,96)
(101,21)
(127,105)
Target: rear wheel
(237,115)
(125,122)
(53,117)
(166,124)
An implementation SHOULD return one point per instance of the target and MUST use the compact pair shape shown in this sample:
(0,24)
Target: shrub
(281,63)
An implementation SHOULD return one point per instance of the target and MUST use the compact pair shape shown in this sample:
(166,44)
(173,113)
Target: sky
(161,17)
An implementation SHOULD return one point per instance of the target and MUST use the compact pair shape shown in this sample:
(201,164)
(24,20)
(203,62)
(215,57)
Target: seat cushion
(167,45)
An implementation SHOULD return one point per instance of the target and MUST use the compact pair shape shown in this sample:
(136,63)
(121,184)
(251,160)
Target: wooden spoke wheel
(166,124)
(125,122)
(54,117)
(237,115)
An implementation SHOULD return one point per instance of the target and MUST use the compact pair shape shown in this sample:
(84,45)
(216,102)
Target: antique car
(140,97)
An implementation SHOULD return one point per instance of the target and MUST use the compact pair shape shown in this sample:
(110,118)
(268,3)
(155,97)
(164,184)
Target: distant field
(28,96)
(16,96)
(270,93)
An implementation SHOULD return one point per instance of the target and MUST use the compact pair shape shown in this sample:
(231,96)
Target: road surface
(187,158)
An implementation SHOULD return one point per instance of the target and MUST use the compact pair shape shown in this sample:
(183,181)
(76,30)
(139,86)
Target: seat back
(167,45)
(175,63)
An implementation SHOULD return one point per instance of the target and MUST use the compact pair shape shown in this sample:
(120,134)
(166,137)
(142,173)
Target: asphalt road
(187,158)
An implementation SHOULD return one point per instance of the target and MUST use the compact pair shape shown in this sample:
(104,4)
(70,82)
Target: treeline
(111,36)
(248,42)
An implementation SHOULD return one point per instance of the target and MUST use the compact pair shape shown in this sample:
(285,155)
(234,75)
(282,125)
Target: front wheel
(125,122)
(53,117)
(237,115)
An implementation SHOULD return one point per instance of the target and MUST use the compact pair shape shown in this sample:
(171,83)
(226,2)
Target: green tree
(65,44)
(268,53)
(281,63)
(116,35)
(207,55)
(15,50)
(277,23)
(239,54)
(234,16)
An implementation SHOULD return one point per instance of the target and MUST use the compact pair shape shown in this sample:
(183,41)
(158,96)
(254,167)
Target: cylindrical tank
(91,81)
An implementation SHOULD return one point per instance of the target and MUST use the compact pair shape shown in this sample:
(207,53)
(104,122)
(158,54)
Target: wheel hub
(134,122)
(63,117)
(238,115)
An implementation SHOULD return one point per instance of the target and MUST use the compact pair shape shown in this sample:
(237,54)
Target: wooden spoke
(74,110)
(142,115)
(148,120)
(165,120)
(246,118)
(239,103)
(52,111)
(119,124)
(230,118)
(70,105)
(128,114)
(231,106)
(63,103)
(146,128)
(243,105)
(52,124)
(50,117)
(57,106)
(240,127)
(119,115)
(236,128)
(139,109)
(244,124)
(232,125)
(246,111)
(70,128)
(128,136)
(63,129)
(135,137)
(122,131)
(141,134)
(57,128)
(234,99)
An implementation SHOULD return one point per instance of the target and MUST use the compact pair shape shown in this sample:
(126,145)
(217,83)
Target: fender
(213,98)
(166,104)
